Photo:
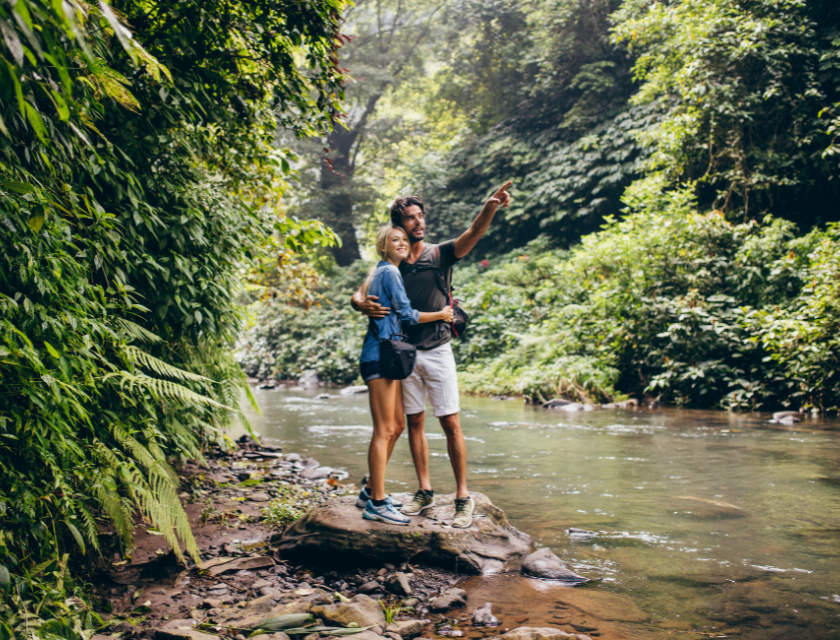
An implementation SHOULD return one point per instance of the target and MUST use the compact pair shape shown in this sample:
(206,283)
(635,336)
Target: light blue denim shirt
(387,284)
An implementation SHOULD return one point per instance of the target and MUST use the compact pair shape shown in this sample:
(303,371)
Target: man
(434,372)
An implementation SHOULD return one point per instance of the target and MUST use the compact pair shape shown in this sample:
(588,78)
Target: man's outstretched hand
(370,307)
(501,198)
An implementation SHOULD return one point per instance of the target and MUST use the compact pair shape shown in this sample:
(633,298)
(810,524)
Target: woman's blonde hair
(381,245)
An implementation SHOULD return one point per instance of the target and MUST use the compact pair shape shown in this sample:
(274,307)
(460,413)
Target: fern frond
(138,333)
(160,367)
(163,389)
(89,526)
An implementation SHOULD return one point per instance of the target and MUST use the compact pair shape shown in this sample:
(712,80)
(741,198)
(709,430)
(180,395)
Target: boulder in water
(544,564)
(356,389)
(336,533)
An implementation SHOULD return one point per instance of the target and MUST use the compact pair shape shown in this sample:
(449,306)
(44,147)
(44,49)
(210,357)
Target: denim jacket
(387,284)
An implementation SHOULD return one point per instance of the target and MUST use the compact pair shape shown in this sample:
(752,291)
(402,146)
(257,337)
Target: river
(711,524)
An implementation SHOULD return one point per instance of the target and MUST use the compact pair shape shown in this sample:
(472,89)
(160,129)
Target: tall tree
(389,39)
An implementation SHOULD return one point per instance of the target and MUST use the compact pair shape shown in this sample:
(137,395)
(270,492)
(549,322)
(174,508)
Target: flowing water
(704,523)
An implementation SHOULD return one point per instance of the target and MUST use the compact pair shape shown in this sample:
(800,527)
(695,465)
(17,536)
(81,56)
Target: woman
(386,405)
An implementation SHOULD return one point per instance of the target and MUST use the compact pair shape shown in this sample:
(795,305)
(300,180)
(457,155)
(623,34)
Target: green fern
(160,367)
(138,333)
(163,389)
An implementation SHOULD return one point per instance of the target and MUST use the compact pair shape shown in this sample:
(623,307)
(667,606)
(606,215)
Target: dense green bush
(668,302)
(137,175)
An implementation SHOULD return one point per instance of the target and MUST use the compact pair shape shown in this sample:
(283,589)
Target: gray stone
(311,463)
(259,496)
(793,416)
(212,603)
(398,584)
(483,616)
(238,564)
(182,634)
(538,633)
(556,403)
(293,457)
(449,599)
(544,564)
(269,591)
(316,473)
(262,582)
(335,533)
(180,624)
(350,391)
(625,404)
(370,587)
(271,636)
(255,611)
(411,602)
(361,609)
(406,629)
(573,407)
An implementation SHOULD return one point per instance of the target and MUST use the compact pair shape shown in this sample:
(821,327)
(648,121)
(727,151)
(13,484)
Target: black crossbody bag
(396,354)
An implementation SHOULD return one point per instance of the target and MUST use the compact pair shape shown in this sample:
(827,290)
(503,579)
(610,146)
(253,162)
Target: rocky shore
(280,534)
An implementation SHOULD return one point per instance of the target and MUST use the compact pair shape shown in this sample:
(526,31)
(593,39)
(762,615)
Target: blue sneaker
(364,496)
(386,513)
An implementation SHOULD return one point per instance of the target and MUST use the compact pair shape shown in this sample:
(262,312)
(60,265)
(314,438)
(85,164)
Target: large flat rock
(337,534)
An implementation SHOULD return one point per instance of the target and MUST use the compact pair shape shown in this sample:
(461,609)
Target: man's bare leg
(419,449)
(457,447)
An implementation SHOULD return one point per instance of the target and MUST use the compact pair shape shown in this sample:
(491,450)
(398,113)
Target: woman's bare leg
(383,400)
(399,421)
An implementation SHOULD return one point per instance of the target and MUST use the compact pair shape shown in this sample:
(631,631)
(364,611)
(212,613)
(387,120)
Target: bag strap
(445,286)
(374,329)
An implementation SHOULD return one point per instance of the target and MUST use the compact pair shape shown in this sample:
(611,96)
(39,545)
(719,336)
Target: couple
(407,281)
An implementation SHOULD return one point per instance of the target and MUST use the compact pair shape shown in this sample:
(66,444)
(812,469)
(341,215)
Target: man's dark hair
(400,205)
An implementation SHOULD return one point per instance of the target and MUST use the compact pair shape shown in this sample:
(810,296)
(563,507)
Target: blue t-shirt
(387,285)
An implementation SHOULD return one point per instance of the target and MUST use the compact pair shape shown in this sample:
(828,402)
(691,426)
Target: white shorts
(434,374)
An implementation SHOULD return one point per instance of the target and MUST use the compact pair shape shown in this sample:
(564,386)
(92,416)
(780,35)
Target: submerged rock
(336,533)
(556,403)
(483,616)
(544,564)
(538,633)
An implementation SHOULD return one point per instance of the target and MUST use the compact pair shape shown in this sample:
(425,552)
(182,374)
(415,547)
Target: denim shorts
(370,370)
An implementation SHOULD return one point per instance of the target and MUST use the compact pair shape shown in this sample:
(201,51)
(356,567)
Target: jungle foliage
(675,186)
(137,179)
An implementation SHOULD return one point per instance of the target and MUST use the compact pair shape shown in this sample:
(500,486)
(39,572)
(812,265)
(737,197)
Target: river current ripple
(710,523)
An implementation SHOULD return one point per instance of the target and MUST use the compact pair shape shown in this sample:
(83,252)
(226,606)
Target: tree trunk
(337,186)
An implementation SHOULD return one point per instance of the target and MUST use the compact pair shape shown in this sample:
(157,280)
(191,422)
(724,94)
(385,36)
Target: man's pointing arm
(468,239)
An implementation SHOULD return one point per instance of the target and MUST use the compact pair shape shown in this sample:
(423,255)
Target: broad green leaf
(5,579)
(55,354)
(36,222)
(78,536)
(17,187)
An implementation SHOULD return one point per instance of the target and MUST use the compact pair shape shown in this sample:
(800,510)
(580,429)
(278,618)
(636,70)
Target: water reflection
(708,522)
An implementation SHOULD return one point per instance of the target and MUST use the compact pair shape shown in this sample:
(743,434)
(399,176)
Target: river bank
(239,504)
